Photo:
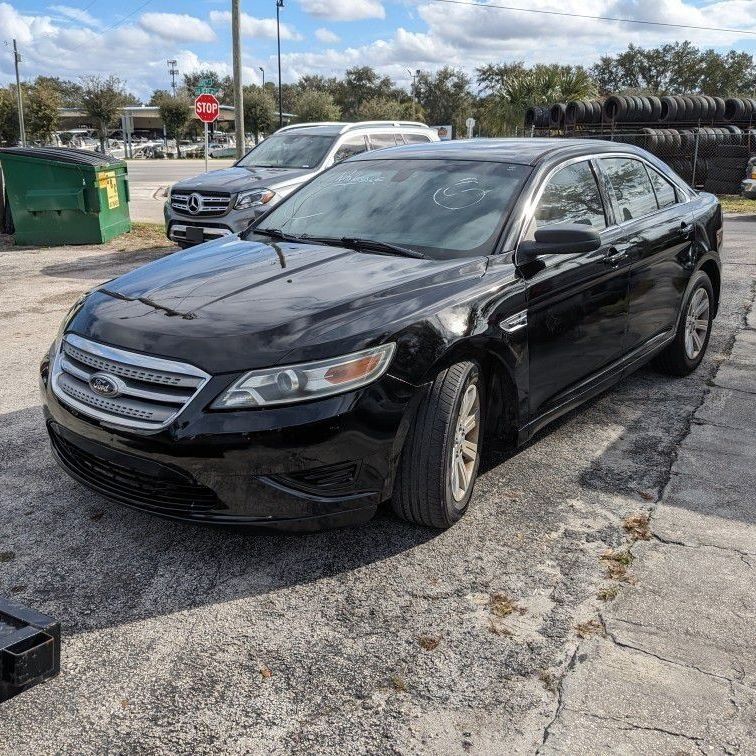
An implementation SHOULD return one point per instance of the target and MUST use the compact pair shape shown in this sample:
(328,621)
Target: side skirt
(596,384)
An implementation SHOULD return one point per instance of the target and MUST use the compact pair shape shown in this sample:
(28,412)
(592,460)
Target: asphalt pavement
(150,180)
(553,618)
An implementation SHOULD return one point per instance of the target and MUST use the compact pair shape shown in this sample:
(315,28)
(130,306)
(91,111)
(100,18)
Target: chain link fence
(707,141)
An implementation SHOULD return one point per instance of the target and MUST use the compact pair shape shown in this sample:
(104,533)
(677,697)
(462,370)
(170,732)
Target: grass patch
(734,203)
(143,236)
(637,526)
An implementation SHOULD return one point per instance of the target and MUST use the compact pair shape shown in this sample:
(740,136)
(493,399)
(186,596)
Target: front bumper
(326,463)
(185,229)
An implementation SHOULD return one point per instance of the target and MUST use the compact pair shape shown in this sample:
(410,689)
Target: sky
(133,39)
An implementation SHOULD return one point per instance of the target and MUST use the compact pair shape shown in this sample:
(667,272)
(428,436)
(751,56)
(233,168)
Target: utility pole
(238,92)
(262,71)
(19,97)
(414,90)
(279,5)
(173,71)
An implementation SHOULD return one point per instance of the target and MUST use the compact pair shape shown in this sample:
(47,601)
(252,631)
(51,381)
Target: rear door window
(379,141)
(630,187)
(411,138)
(350,146)
(570,196)
(665,192)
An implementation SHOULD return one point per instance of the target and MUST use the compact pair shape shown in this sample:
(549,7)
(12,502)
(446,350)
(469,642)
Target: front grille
(202,204)
(149,392)
(169,493)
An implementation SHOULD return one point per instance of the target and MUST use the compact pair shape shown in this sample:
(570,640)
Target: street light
(279,5)
(262,71)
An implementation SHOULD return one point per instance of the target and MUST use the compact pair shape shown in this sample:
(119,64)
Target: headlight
(75,307)
(310,380)
(254,198)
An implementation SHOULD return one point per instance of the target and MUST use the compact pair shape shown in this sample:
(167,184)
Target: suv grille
(201,203)
(123,388)
(169,493)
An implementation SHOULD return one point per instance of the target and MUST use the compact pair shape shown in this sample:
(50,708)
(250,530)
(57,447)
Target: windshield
(442,208)
(288,151)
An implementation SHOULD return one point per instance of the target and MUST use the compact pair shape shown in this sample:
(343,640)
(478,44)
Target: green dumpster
(65,196)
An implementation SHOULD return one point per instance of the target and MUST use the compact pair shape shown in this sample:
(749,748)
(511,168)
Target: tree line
(496,96)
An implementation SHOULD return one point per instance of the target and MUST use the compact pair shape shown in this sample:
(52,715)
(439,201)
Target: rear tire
(687,350)
(441,455)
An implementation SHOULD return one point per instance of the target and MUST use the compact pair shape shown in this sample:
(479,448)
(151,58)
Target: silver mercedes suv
(226,201)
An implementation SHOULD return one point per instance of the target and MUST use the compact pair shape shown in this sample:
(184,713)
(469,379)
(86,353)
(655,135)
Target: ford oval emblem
(105,385)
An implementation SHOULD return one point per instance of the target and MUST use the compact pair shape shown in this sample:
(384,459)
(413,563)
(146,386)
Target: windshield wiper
(372,244)
(275,233)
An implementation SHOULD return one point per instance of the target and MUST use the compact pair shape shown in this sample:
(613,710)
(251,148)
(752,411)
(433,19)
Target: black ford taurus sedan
(378,330)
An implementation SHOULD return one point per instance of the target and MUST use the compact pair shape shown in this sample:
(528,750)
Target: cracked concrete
(675,670)
(181,639)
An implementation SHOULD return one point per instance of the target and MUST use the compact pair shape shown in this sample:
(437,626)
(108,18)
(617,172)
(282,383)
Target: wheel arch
(711,269)
(503,395)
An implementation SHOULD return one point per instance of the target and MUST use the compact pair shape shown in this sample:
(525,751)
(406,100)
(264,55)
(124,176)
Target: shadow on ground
(94,563)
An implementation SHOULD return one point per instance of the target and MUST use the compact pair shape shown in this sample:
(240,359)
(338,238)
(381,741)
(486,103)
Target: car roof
(337,128)
(523,151)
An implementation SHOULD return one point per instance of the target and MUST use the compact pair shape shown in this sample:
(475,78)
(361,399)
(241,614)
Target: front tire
(441,455)
(689,346)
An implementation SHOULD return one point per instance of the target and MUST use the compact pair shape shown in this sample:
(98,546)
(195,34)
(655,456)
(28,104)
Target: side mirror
(564,239)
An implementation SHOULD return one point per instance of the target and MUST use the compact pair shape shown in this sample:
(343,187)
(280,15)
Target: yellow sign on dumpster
(109,182)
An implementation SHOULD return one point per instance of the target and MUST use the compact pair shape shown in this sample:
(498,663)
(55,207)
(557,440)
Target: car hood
(236,179)
(236,304)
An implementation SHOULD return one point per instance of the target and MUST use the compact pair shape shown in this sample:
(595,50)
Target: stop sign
(207,107)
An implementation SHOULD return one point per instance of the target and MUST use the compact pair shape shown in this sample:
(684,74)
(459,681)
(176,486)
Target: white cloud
(344,10)
(179,27)
(22,28)
(76,14)
(326,36)
(263,28)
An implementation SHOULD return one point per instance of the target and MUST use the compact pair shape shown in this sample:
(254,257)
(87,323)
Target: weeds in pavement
(496,628)
(607,593)
(589,628)
(500,605)
(616,562)
(549,679)
(428,642)
(637,526)
(398,683)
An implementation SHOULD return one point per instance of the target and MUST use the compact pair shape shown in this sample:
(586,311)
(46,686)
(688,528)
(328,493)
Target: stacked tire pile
(707,140)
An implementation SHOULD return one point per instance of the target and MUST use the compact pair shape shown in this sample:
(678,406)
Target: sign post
(207,109)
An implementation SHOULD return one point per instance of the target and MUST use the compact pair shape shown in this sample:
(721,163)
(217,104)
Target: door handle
(614,257)
(686,228)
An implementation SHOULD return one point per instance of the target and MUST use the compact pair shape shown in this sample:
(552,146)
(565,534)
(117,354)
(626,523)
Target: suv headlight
(310,380)
(254,198)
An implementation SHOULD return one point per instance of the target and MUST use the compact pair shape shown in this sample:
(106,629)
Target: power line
(124,18)
(593,18)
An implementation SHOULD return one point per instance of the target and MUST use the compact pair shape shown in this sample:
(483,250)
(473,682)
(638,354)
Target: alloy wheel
(465,450)
(696,323)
